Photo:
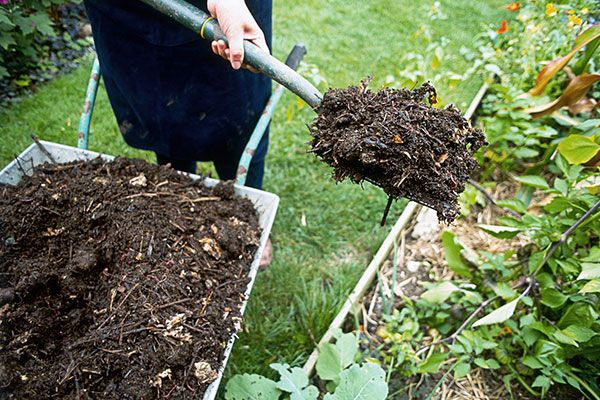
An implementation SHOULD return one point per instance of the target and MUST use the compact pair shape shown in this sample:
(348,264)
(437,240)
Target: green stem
(522,381)
(585,385)
(442,380)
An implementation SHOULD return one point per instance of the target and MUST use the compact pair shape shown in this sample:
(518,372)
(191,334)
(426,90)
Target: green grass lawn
(315,264)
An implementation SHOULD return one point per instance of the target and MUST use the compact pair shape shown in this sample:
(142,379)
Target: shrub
(38,38)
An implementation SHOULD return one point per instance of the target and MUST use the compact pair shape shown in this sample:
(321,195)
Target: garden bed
(121,279)
(420,269)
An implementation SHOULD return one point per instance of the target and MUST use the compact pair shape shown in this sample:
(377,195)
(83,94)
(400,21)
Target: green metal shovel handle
(198,21)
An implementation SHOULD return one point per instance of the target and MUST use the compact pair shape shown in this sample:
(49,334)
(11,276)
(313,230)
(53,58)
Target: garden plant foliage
(38,38)
(531,314)
(336,366)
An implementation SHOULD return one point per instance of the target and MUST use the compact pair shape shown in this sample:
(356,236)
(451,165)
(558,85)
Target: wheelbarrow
(265,203)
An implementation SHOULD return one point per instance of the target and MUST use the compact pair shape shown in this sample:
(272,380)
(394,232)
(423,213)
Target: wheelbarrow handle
(198,21)
(296,55)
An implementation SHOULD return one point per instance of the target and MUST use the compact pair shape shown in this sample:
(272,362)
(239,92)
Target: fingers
(236,48)
(220,48)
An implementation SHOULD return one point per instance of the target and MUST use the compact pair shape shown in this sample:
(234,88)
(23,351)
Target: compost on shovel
(397,140)
(119,280)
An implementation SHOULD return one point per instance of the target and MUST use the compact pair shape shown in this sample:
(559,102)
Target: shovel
(208,28)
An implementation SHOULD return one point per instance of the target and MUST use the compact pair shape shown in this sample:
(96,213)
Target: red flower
(513,6)
(503,28)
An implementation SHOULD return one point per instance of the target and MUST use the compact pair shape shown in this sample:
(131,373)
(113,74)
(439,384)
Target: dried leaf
(554,66)
(574,92)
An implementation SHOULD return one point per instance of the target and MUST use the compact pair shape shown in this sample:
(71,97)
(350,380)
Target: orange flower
(503,28)
(513,6)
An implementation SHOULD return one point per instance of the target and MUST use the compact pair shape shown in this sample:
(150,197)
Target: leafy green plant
(345,380)
(22,25)
(544,327)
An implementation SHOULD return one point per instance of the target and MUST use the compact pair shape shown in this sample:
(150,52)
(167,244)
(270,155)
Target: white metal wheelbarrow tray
(265,204)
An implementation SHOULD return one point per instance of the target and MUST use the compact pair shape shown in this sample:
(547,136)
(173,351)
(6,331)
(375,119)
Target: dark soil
(397,140)
(119,280)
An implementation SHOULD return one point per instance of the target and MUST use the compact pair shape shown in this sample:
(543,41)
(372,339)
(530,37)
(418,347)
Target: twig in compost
(43,149)
(19,166)
(387,210)
(126,296)
(173,303)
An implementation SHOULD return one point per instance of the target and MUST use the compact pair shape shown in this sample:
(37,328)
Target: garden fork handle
(208,27)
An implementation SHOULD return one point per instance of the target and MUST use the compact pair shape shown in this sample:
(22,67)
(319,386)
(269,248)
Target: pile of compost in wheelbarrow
(119,280)
(399,141)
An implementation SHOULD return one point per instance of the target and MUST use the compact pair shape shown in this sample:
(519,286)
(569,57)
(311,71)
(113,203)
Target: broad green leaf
(573,382)
(565,339)
(590,270)
(532,362)
(6,41)
(492,364)
(452,251)
(552,298)
(579,333)
(295,382)
(588,125)
(575,91)
(500,315)
(568,266)
(439,293)
(501,232)
(432,364)
(504,290)
(535,181)
(462,370)
(578,149)
(334,358)
(541,381)
(530,335)
(594,255)
(513,204)
(251,387)
(554,66)
(581,314)
(536,260)
(525,152)
(592,286)
(558,204)
(5,20)
(366,382)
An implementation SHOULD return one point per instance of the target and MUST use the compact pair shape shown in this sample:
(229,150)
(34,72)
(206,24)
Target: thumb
(236,47)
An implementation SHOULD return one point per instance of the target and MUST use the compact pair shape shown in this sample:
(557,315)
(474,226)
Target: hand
(237,23)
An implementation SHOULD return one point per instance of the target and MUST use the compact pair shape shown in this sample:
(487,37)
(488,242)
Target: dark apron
(170,93)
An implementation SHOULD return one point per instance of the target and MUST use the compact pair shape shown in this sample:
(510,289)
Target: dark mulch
(396,139)
(119,280)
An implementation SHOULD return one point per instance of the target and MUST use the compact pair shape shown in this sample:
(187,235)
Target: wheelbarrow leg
(88,106)
(292,61)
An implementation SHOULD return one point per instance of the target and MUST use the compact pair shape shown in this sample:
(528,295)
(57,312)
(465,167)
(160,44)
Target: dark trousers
(227,165)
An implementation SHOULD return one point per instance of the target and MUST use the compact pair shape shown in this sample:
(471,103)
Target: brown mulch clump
(397,140)
(119,280)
